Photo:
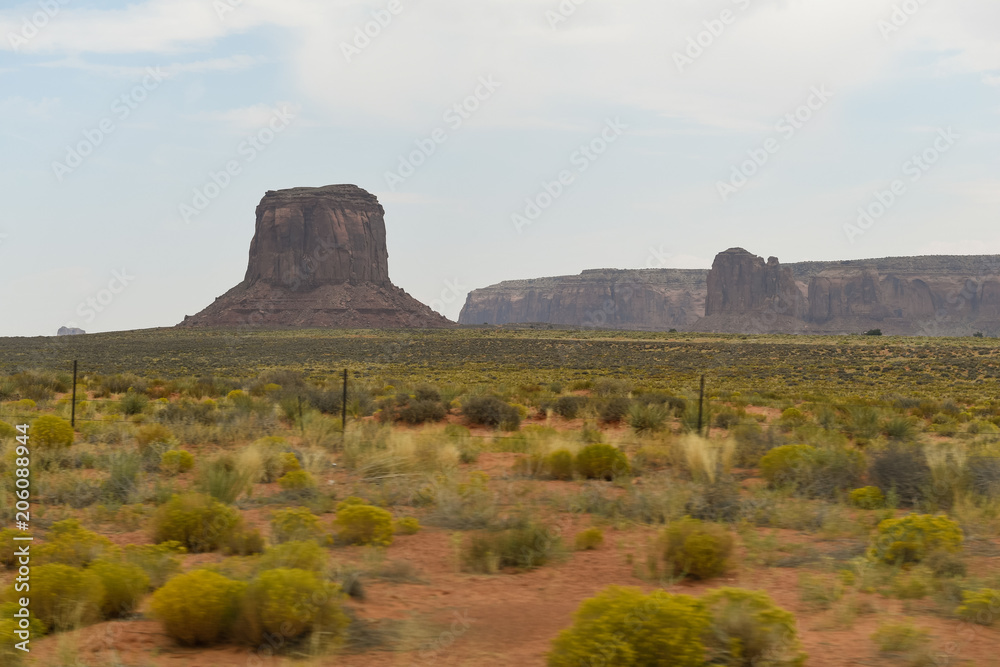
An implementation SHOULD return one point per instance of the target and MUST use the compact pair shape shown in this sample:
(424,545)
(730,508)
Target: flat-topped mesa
(306,237)
(742,293)
(318,258)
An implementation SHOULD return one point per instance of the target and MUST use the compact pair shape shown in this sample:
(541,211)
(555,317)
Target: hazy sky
(115,115)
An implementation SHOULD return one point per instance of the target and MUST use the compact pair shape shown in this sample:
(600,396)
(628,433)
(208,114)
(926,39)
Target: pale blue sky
(225,68)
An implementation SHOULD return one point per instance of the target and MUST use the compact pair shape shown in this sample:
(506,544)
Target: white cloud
(614,54)
(17,106)
(246,119)
(227,64)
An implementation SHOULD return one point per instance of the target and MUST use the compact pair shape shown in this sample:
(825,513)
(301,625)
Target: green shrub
(913,537)
(7,431)
(124,586)
(982,474)
(623,627)
(813,472)
(407,526)
(153,434)
(51,432)
(350,501)
(417,411)
(614,410)
(981,606)
(911,585)
(225,479)
(133,403)
(158,561)
(696,549)
(123,478)
(199,607)
(10,656)
(559,465)
(363,524)
(197,521)
(7,547)
(176,461)
(900,638)
(65,597)
(491,411)
(901,428)
(295,555)
(600,461)
(243,541)
(523,547)
(867,498)
(647,417)
(589,539)
(295,524)
(291,604)
(748,629)
(904,470)
(569,407)
(69,543)
(727,418)
(792,417)
(297,481)
(289,462)
(945,565)
(782,465)
(272,462)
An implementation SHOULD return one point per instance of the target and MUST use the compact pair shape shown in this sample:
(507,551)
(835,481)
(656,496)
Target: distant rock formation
(318,258)
(70,331)
(743,293)
(740,284)
(648,299)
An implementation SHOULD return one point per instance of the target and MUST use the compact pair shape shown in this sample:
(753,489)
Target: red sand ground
(511,618)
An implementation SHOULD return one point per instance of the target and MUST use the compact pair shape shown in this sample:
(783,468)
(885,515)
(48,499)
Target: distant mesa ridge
(743,293)
(318,258)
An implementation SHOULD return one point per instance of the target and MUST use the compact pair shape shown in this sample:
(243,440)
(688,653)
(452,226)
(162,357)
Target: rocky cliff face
(318,258)
(603,298)
(307,237)
(743,293)
(741,283)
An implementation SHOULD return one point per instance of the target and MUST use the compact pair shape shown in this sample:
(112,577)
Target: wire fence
(706,423)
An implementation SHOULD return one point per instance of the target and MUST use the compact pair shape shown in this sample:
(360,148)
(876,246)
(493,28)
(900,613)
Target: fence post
(343,408)
(72,417)
(302,425)
(701,403)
